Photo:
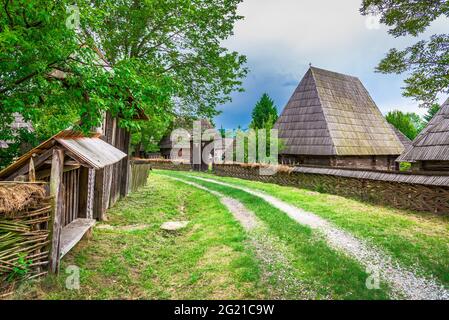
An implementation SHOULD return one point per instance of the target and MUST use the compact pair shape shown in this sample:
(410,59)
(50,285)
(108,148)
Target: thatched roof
(433,142)
(18,124)
(333,114)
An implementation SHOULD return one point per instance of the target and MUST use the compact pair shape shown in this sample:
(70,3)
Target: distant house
(332,121)
(183,152)
(430,150)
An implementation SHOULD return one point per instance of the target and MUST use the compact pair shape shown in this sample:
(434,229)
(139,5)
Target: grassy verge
(207,260)
(415,239)
(329,273)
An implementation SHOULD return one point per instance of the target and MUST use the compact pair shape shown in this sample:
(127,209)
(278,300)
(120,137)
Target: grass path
(419,241)
(328,273)
(209,259)
(404,282)
(271,252)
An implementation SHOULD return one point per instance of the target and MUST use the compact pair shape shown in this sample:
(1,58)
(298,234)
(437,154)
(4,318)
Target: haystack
(16,197)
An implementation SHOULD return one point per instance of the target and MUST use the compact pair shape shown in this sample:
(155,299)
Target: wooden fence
(139,174)
(411,191)
(24,233)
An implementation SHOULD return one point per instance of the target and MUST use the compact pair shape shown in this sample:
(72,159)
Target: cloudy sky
(281,37)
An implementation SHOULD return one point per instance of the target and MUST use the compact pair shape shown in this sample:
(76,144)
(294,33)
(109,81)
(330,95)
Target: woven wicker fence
(24,233)
(411,196)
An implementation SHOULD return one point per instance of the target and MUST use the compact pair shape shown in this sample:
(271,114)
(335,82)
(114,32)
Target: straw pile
(16,197)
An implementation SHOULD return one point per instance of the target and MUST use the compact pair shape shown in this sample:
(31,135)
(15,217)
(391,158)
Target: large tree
(410,124)
(264,114)
(161,55)
(427,61)
(433,110)
(180,39)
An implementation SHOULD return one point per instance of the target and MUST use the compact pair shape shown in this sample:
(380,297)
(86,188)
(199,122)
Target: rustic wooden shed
(430,150)
(332,121)
(68,161)
(112,182)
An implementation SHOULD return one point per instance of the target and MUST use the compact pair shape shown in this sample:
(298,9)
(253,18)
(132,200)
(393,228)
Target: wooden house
(332,121)
(69,162)
(183,152)
(430,150)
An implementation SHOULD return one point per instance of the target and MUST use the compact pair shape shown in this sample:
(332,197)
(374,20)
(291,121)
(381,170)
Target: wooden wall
(112,182)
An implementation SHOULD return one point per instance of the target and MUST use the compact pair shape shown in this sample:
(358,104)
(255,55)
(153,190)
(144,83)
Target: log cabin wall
(435,166)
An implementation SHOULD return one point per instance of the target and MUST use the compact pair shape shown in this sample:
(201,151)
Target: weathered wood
(37,162)
(56,191)
(90,194)
(32,171)
(72,233)
(42,174)
(124,183)
(98,208)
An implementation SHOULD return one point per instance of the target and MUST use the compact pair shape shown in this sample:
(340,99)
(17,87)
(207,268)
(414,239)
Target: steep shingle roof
(406,142)
(333,114)
(433,142)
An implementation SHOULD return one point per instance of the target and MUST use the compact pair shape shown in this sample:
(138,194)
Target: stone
(174,225)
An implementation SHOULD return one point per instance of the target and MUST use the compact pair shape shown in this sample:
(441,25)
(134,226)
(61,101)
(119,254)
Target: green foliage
(433,110)
(20,269)
(165,58)
(264,114)
(410,124)
(405,166)
(426,61)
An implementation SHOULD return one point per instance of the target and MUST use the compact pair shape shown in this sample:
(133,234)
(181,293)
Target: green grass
(329,273)
(416,239)
(207,260)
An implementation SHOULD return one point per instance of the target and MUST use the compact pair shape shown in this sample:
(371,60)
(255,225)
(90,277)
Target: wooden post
(124,183)
(32,172)
(57,192)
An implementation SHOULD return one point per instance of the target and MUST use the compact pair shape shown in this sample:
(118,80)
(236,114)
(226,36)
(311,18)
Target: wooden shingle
(333,114)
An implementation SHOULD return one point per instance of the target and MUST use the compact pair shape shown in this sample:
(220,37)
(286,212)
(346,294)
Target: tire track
(404,282)
(273,255)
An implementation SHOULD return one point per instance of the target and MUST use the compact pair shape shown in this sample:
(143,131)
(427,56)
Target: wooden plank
(72,233)
(98,208)
(77,190)
(124,183)
(56,191)
(83,186)
(37,162)
(46,173)
(32,172)
(90,194)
